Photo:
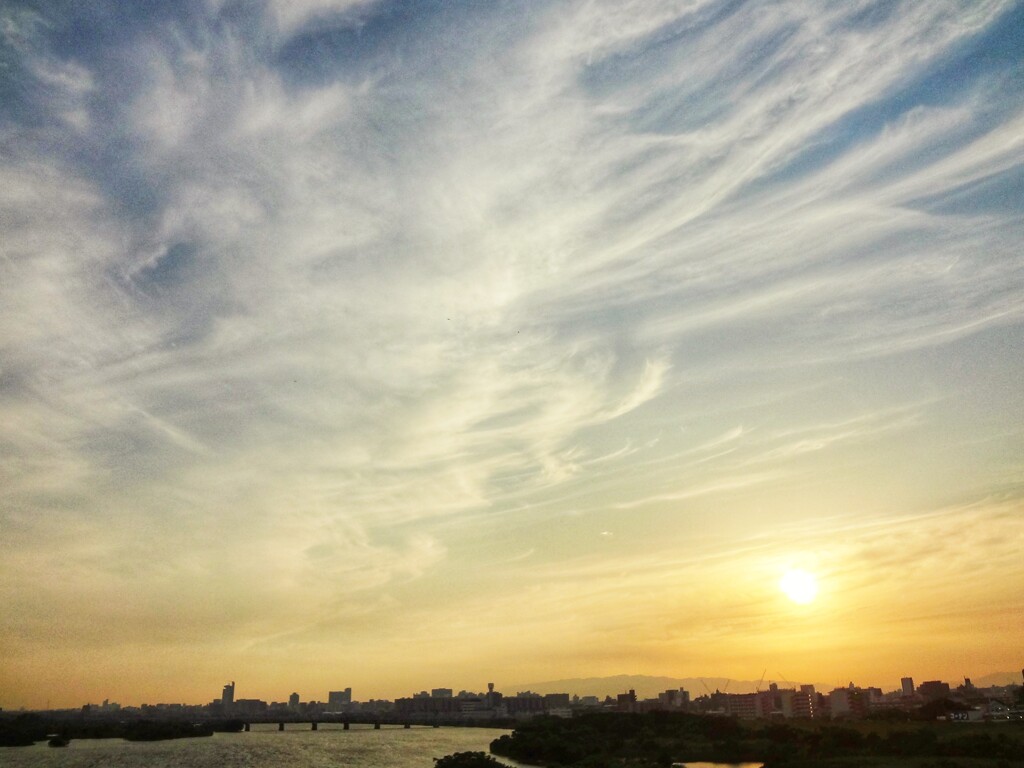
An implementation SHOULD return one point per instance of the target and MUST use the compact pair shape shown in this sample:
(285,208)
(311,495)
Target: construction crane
(761,681)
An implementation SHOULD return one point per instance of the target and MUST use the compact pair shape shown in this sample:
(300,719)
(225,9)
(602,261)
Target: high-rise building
(293,700)
(440,693)
(907,684)
(227,698)
(339,698)
(805,703)
(493,697)
(933,689)
(848,702)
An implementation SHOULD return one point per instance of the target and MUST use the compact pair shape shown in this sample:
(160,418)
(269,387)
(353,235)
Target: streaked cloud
(380,297)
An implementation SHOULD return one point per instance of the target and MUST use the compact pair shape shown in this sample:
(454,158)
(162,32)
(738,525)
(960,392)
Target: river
(264,747)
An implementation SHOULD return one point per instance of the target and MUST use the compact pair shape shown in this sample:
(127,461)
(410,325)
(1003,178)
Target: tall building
(933,689)
(440,693)
(227,698)
(493,697)
(805,703)
(907,684)
(850,702)
(339,698)
(293,700)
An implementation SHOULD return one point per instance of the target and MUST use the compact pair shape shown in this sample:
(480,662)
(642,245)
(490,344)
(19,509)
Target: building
(933,689)
(556,700)
(558,704)
(339,698)
(493,697)
(906,684)
(293,700)
(440,693)
(674,699)
(422,706)
(227,698)
(250,707)
(471,704)
(850,702)
(524,704)
(805,703)
(626,701)
(749,706)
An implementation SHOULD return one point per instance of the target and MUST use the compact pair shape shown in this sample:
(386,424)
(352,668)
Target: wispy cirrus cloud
(347,290)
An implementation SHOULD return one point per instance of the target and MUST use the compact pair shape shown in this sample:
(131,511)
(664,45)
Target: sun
(799,586)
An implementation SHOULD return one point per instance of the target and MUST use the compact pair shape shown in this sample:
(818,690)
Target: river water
(264,747)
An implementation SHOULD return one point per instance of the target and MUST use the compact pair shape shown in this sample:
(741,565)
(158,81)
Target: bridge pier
(246,728)
(280,726)
(344,726)
(314,727)
(407,726)
(376,726)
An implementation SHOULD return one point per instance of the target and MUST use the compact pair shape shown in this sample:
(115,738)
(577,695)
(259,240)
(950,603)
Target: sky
(398,345)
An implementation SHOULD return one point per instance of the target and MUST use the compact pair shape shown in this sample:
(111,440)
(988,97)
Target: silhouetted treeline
(25,729)
(467,760)
(22,731)
(662,738)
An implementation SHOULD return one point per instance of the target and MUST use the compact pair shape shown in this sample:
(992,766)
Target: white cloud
(512,270)
(292,15)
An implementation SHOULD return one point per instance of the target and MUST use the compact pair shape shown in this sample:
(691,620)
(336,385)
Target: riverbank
(659,739)
(26,730)
(359,747)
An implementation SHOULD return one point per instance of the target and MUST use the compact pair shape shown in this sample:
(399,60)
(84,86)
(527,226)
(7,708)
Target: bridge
(378,721)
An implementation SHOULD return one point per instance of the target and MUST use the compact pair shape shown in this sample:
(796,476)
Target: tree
(466,760)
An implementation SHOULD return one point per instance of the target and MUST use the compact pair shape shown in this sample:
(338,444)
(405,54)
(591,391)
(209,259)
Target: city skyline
(594,688)
(398,343)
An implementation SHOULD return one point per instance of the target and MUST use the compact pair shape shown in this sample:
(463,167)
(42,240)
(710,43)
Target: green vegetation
(662,738)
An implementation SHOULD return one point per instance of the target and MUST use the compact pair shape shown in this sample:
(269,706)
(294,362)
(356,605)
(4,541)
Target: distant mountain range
(647,686)
(997,678)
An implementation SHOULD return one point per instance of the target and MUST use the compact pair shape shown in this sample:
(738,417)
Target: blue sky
(342,318)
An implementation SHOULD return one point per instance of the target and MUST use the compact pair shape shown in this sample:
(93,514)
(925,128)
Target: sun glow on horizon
(799,585)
